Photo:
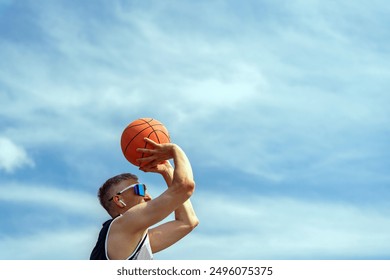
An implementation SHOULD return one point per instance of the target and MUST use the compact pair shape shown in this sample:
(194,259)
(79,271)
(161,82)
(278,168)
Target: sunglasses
(139,189)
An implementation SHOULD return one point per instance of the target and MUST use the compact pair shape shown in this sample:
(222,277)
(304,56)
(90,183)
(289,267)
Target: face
(130,193)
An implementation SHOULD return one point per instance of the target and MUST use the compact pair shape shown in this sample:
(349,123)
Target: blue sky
(282,107)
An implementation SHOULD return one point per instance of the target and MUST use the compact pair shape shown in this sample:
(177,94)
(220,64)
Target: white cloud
(256,227)
(57,244)
(249,227)
(68,201)
(13,156)
(288,94)
(52,227)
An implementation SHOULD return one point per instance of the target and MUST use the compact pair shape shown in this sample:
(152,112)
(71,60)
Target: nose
(147,197)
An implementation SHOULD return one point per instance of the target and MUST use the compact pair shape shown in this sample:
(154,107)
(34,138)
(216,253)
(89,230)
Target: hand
(157,157)
(161,168)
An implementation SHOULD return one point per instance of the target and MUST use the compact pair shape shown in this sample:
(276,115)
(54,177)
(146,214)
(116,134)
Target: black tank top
(99,252)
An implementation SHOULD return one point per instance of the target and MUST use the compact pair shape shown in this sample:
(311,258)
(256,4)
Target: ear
(118,202)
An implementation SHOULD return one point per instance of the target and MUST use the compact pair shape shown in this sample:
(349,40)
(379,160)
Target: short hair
(103,192)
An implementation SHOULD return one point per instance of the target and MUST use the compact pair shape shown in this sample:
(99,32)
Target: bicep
(147,214)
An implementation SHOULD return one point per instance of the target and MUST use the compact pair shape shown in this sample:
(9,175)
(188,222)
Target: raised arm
(145,215)
(185,221)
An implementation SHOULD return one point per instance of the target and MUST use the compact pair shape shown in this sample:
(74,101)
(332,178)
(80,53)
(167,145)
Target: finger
(150,141)
(146,159)
(149,167)
(145,151)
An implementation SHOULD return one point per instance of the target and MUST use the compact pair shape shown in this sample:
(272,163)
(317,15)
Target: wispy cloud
(293,97)
(260,227)
(60,223)
(56,244)
(13,156)
(60,198)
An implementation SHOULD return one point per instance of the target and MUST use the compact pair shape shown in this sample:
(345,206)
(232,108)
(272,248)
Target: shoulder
(122,241)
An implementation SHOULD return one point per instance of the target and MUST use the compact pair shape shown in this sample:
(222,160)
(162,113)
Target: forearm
(182,173)
(167,174)
(184,213)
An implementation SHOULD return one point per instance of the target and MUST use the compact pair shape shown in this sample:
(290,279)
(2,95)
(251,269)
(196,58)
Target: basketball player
(130,233)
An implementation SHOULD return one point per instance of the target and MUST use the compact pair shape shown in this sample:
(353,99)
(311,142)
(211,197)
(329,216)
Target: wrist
(167,174)
(176,152)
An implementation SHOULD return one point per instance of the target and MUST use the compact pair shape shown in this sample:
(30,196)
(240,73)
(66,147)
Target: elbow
(191,225)
(186,186)
(195,223)
(190,187)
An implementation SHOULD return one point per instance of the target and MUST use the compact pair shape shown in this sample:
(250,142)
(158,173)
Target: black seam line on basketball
(145,122)
(148,122)
(156,124)
(151,126)
(149,137)
(146,144)
(134,137)
(134,125)
(163,132)
(154,131)
(159,124)
(158,139)
(142,156)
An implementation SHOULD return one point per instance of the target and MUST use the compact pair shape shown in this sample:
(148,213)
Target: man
(128,234)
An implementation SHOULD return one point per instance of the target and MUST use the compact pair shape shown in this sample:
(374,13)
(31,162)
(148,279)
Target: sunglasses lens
(139,189)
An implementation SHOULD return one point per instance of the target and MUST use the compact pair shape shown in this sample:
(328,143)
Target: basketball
(133,137)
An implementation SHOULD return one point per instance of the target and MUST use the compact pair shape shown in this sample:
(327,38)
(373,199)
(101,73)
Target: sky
(281,106)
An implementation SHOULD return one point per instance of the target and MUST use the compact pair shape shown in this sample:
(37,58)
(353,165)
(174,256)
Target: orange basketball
(133,137)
